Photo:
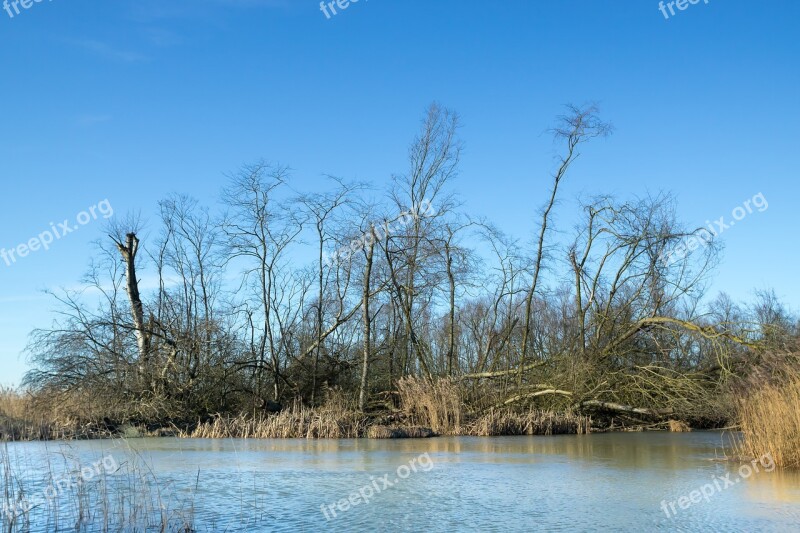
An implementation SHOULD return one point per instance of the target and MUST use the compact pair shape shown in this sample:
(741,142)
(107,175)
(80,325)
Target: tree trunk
(128,251)
(321,295)
(362,396)
(451,345)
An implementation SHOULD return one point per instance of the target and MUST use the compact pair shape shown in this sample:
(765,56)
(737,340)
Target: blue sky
(132,100)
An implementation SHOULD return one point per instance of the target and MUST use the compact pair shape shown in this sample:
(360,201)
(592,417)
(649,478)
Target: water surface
(620,481)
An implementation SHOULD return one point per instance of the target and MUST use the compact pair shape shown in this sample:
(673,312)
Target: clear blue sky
(130,100)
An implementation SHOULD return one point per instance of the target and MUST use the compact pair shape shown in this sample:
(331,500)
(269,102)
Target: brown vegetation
(298,421)
(677,426)
(769,419)
(21,420)
(386,432)
(434,404)
(533,422)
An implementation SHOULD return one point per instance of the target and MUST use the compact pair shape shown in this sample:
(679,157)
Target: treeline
(275,297)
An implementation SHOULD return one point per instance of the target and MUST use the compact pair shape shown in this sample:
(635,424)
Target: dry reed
(126,497)
(770,422)
(386,432)
(433,404)
(25,417)
(677,426)
(499,422)
(298,421)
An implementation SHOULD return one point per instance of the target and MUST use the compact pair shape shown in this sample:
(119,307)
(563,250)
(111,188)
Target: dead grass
(499,422)
(434,404)
(677,426)
(770,422)
(329,422)
(20,420)
(25,418)
(13,404)
(439,405)
(427,409)
(386,432)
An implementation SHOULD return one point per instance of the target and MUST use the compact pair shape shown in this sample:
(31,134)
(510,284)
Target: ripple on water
(576,483)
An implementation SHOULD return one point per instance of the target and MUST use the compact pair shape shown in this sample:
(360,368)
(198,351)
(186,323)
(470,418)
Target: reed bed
(387,432)
(298,421)
(770,423)
(677,426)
(21,419)
(439,405)
(434,404)
(426,408)
(503,421)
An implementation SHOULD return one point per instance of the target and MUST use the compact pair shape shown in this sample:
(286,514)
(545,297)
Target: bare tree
(367,319)
(434,157)
(260,228)
(124,236)
(577,127)
(322,207)
(613,312)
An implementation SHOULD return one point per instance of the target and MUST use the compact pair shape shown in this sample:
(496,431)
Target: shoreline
(314,425)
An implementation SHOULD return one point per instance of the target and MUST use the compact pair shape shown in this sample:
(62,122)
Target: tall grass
(387,432)
(533,422)
(18,420)
(333,421)
(770,422)
(439,405)
(434,404)
(127,498)
(13,404)
(22,419)
(678,426)
(426,407)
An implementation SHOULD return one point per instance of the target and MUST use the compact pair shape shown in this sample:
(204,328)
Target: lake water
(619,481)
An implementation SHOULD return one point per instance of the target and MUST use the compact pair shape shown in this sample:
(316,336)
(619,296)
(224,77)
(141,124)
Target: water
(620,481)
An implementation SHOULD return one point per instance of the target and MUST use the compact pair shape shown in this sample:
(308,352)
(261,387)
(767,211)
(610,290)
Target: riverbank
(422,409)
(299,421)
(304,423)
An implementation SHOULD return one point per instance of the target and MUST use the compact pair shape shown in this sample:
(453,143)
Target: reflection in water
(577,483)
